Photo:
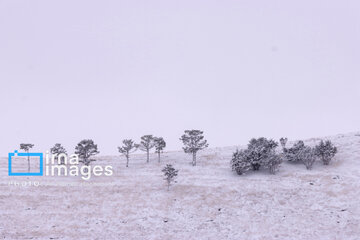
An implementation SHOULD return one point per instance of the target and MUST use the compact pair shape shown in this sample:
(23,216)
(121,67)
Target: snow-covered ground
(207,202)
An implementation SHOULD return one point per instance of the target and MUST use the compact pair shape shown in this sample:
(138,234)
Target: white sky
(110,70)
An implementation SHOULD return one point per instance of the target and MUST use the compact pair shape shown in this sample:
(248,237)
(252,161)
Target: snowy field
(207,202)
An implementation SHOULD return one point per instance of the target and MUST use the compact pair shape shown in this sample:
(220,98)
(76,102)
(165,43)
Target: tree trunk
(159,156)
(325,160)
(127,161)
(147,155)
(194,159)
(28,162)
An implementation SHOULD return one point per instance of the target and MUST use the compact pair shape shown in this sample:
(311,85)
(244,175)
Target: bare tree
(128,147)
(146,144)
(170,174)
(193,141)
(26,147)
(160,144)
(85,149)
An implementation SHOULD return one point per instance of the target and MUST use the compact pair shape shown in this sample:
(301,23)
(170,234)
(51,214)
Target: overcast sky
(110,70)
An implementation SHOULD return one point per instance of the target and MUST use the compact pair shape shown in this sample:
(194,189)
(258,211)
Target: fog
(109,70)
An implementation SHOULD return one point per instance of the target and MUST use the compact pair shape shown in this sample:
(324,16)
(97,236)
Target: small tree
(170,174)
(85,149)
(128,147)
(160,144)
(26,147)
(326,151)
(146,144)
(58,149)
(240,162)
(259,150)
(193,141)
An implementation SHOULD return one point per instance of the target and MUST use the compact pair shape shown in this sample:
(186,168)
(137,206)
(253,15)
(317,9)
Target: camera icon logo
(15,154)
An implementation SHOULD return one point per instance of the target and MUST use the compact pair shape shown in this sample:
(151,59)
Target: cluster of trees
(85,150)
(193,141)
(147,143)
(261,153)
(299,152)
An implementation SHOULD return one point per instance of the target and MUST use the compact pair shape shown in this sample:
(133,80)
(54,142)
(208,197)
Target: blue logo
(15,153)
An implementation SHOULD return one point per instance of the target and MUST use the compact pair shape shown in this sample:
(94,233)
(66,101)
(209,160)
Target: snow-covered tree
(258,150)
(26,147)
(128,147)
(326,151)
(299,152)
(259,153)
(85,149)
(308,157)
(57,150)
(272,162)
(146,144)
(294,153)
(160,144)
(240,162)
(193,141)
(170,173)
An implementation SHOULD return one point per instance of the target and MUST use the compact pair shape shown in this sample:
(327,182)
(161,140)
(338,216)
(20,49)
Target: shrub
(308,157)
(299,152)
(240,163)
(258,151)
(294,154)
(272,162)
(326,151)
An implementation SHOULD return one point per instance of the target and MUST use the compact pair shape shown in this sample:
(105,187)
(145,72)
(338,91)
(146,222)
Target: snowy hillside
(207,202)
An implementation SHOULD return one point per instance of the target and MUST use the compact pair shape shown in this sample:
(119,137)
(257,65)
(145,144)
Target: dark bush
(325,151)
(240,163)
(258,150)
